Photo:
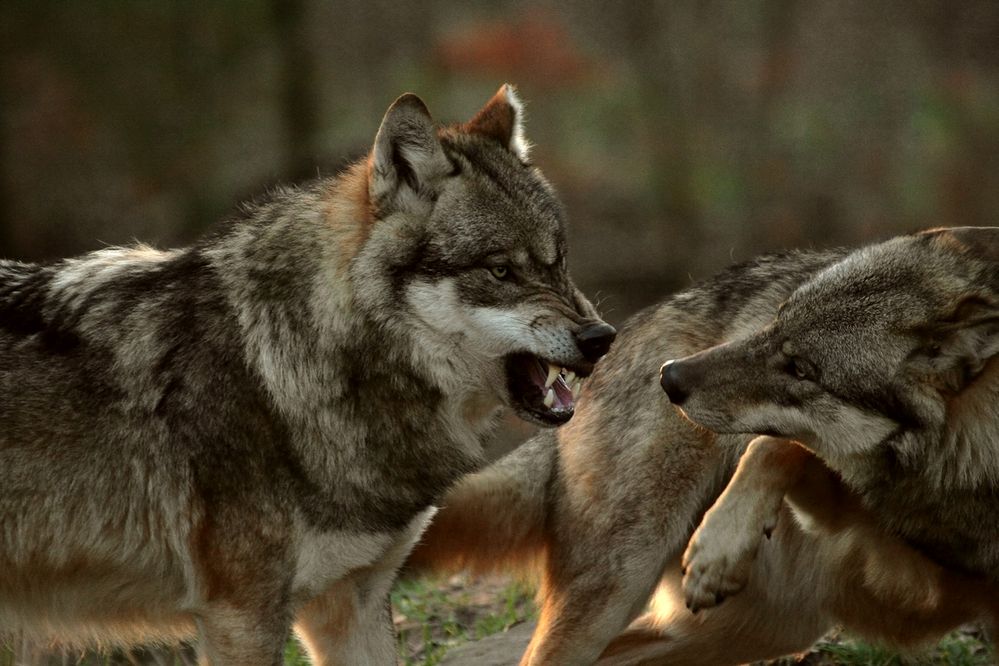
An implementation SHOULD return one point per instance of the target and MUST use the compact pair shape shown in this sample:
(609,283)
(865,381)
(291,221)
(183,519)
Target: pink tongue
(563,396)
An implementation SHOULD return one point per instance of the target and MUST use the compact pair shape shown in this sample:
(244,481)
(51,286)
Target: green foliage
(960,648)
(294,655)
(433,616)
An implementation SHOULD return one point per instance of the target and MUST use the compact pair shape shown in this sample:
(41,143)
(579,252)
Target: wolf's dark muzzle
(595,340)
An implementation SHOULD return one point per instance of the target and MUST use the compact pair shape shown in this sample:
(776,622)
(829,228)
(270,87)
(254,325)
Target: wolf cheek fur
(883,365)
(250,432)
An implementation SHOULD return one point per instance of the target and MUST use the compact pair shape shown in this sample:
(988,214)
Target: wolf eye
(799,368)
(500,272)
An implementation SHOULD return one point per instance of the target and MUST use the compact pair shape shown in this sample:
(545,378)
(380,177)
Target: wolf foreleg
(720,554)
(351,623)
(232,636)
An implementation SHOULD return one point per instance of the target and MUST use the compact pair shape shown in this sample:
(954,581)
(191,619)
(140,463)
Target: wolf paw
(716,565)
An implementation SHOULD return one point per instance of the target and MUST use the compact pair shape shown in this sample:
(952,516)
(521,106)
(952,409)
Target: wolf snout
(594,340)
(672,379)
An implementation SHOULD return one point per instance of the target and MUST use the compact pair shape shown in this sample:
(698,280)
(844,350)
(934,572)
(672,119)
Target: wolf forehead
(498,206)
(888,285)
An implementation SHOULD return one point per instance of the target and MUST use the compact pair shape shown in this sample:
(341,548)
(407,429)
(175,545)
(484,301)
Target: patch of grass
(855,653)
(294,655)
(964,649)
(433,615)
(961,648)
(516,605)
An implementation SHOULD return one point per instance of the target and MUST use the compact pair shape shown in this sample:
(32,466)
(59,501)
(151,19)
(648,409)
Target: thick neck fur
(311,281)
(937,485)
(280,338)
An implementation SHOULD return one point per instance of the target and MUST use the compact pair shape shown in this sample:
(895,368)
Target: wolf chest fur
(252,431)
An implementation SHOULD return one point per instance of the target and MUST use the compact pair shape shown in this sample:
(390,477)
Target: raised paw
(716,565)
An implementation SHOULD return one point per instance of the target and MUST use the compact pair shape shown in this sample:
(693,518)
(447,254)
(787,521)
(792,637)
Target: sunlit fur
(899,390)
(603,508)
(226,439)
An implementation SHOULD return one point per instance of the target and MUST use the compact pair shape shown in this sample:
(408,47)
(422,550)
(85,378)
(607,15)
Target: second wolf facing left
(881,366)
(605,506)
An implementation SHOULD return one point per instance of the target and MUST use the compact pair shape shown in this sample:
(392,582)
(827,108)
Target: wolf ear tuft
(407,160)
(502,119)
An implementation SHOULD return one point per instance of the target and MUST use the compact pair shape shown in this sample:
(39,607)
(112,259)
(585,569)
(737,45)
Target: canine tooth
(569,376)
(550,397)
(552,375)
(576,386)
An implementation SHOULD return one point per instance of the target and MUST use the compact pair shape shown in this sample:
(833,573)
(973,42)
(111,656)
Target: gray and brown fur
(883,366)
(604,507)
(250,433)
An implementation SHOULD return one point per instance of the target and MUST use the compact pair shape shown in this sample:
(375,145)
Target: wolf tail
(493,521)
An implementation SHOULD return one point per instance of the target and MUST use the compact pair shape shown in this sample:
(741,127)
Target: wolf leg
(623,506)
(586,603)
(351,623)
(348,625)
(234,636)
(721,552)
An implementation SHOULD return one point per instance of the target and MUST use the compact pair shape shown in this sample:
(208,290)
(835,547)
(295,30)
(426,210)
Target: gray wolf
(602,509)
(882,366)
(250,433)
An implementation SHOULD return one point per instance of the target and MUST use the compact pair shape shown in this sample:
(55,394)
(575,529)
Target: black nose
(595,340)
(669,378)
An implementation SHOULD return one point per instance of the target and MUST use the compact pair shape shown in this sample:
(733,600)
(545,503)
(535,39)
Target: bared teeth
(576,386)
(550,398)
(569,377)
(553,373)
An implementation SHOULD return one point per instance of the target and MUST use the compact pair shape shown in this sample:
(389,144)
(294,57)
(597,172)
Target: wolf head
(877,343)
(464,247)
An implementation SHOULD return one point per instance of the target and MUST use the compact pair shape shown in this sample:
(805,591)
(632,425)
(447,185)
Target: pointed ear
(407,161)
(978,242)
(969,337)
(502,119)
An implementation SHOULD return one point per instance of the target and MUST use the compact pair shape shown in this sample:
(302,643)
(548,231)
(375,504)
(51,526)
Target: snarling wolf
(883,366)
(604,507)
(251,432)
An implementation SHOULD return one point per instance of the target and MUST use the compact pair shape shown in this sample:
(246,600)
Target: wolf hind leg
(233,636)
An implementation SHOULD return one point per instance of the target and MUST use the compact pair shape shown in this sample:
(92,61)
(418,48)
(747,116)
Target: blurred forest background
(682,135)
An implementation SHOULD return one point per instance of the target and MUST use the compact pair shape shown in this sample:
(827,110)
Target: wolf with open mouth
(250,433)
